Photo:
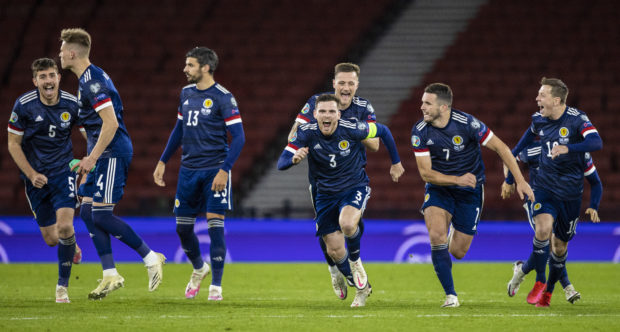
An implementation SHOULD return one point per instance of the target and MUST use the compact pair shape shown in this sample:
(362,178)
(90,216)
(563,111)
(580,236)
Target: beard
(194,78)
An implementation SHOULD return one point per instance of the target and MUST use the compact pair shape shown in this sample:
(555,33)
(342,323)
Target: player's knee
(65,230)
(336,253)
(437,237)
(457,253)
(543,233)
(51,240)
(184,230)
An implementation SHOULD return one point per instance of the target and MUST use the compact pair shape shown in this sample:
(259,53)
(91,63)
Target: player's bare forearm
(431,176)
(505,154)
(371,144)
(158,174)
(16,152)
(108,130)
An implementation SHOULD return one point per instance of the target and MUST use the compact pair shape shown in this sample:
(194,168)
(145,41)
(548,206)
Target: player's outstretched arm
(17,153)
(523,188)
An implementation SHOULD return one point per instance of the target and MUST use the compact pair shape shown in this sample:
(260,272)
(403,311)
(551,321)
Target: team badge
(564,132)
(458,143)
(176,202)
(343,145)
(294,137)
(415,141)
(13,118)
(208,103)
(305,109)
(94,88)
(65,116)
(537,206)
(426,197)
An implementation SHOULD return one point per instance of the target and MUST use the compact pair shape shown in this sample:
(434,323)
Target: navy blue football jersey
(563,176)
(531,157)
(46,131)
(205,114)
(454,149)
(360,109)
(337,161)
(96,92)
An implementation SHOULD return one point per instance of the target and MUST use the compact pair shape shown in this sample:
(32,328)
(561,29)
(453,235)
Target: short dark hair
(326,97)
(77,36)
(443,92)
(42,64)
(347,67)
(204,56)
(558,88)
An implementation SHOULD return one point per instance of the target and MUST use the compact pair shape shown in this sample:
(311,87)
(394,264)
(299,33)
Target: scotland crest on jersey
(344,148)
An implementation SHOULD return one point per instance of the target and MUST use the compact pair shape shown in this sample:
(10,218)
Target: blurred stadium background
(274,54)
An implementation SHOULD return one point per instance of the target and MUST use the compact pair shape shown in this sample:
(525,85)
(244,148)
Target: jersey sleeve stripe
(81,128)
(291,148)
(233,119)
(421,152)
(102,104)
(179,116)
(302,119)
(15,130)
(590,170)
(485,139)
(587,131)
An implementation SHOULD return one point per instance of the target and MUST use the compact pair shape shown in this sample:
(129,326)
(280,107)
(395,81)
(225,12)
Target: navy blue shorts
(565,213)
(105,184)
(328,207)
(194,194)
(465,206)
(59,192)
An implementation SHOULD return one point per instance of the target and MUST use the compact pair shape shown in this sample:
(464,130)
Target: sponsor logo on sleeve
(415,141)
(305,109)
(95,87)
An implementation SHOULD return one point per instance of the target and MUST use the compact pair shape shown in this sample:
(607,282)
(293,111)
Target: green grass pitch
(283,297)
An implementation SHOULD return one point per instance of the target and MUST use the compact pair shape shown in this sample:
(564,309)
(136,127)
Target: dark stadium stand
(275,53)
(269,66)
(494,67)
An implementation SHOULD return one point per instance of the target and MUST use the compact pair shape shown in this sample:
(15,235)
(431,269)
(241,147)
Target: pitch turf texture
(283,297)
